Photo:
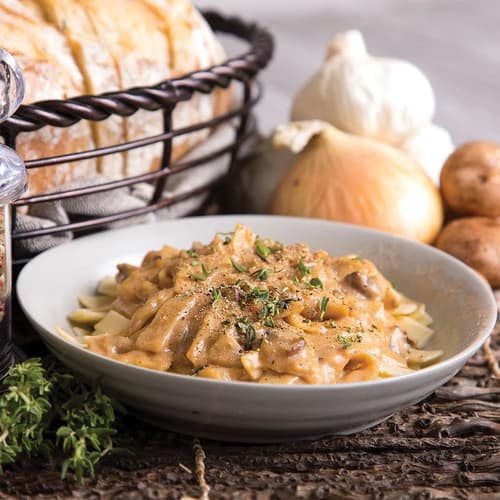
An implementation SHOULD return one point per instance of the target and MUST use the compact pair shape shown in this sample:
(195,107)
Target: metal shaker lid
(13,175)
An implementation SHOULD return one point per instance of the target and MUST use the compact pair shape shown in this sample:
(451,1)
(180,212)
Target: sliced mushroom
(233,293)
(296,347)
(363,284)
(124,271)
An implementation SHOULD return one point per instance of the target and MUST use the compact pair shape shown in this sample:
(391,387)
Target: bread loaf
(71,47)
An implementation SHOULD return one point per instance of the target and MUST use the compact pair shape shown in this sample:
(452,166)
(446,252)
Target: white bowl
(461,303)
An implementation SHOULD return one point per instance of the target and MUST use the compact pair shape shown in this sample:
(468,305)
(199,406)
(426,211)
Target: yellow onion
(342,177)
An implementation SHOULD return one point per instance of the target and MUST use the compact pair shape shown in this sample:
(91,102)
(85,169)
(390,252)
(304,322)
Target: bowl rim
(447,365)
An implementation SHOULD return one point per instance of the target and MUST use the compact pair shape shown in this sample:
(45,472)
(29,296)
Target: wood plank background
(455,42)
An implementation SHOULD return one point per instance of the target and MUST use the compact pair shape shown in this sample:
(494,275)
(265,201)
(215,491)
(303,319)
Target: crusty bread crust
(193,46)
(141,56)
(98,70)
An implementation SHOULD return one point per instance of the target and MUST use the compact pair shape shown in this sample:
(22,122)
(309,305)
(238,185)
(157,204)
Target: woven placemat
(445,447)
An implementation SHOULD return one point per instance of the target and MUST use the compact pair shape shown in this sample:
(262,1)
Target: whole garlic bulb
(385,99)
(430,147)
(353,179)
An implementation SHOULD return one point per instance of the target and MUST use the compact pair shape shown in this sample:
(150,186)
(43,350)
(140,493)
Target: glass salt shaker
(13,182)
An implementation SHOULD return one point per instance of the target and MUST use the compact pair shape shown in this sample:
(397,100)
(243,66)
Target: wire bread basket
(241,70)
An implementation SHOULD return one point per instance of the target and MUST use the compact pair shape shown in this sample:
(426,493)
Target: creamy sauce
(242,308)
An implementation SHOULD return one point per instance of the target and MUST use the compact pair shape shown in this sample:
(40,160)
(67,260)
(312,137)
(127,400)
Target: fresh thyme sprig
(46,409)
(24,409)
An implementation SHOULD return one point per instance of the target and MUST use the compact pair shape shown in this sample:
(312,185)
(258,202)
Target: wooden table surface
(455,42)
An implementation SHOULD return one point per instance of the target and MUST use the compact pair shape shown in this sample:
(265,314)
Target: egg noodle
(244,308)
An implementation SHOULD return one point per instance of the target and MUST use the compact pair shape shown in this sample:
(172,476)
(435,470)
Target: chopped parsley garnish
(347,341)
(315,283)
(262,274)
(192,253)
(216,295)
(237,267)
(302,268)
(323,304)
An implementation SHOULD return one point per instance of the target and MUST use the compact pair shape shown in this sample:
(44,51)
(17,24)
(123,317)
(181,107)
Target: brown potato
(470,179)
(475,241)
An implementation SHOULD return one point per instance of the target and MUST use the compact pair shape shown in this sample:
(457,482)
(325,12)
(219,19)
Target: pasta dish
(246,308)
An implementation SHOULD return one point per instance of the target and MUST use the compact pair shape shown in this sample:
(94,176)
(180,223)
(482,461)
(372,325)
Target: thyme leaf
(245,326)
(315,283)
(200,277)
(269,321)
(262,274)
(238,267)
(216,295)
(262,249)
(323,304)
(304,270)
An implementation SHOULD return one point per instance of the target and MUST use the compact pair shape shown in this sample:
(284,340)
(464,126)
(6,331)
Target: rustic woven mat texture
(445,447)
